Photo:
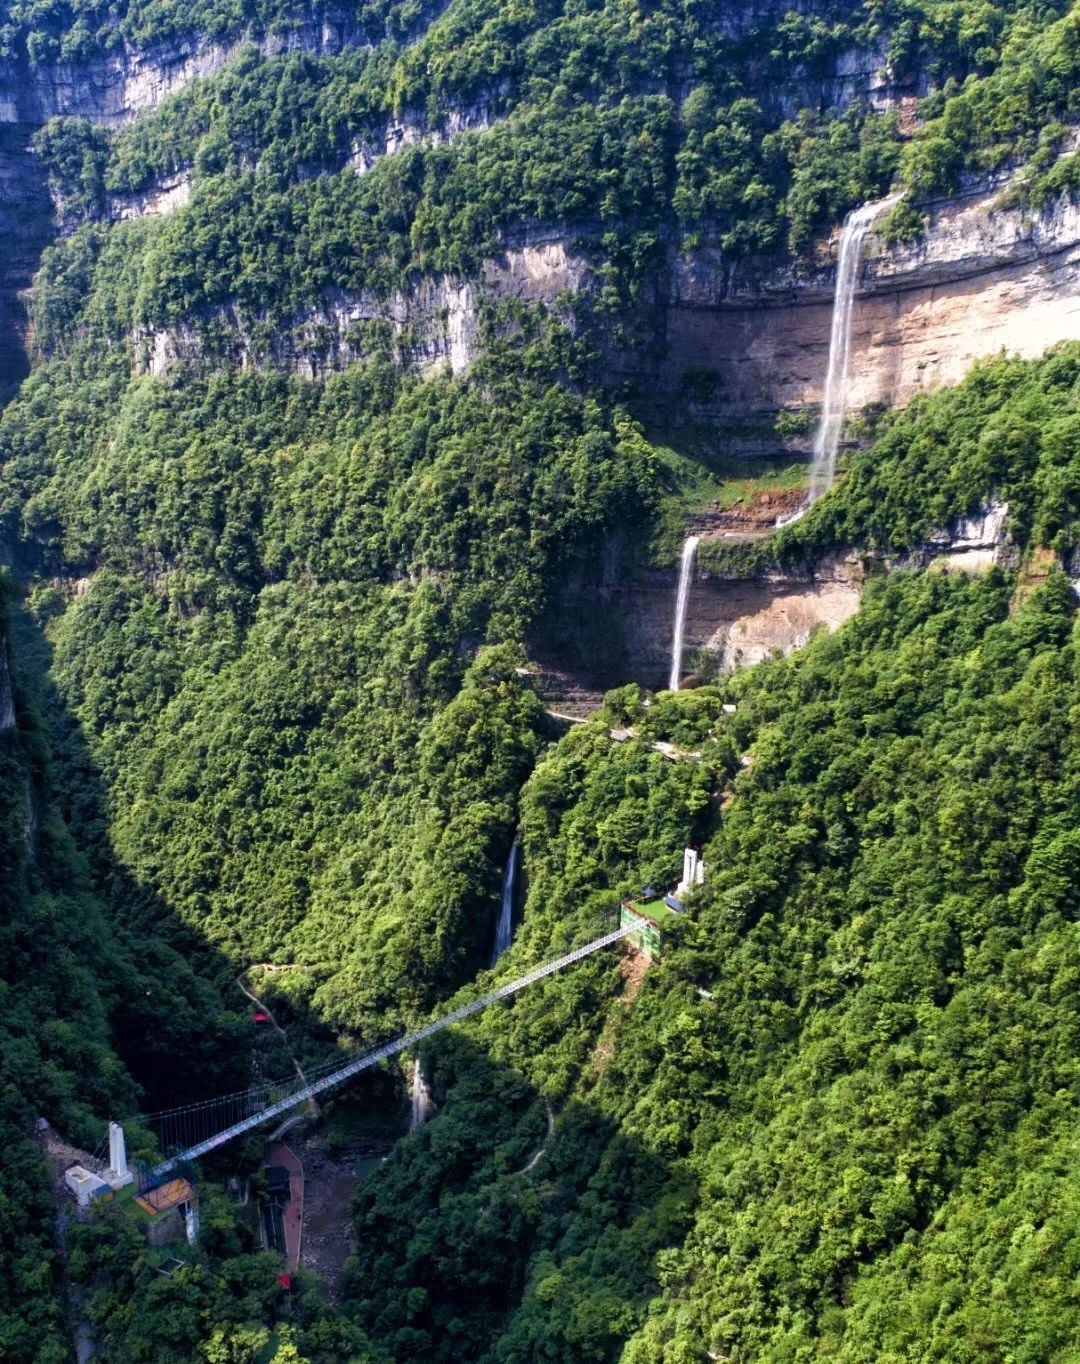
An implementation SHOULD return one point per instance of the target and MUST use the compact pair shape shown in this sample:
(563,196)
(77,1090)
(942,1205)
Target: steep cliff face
(166,197)
(26,225)
(434,325)
(617,626)
(986,278)
(729,343)
(126,82)
(415,129)
(121,85)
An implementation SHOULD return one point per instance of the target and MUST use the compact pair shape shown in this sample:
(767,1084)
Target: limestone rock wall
(25,227)
(619,629)
(986,279)
(166,197)
(435,323)
(119,86)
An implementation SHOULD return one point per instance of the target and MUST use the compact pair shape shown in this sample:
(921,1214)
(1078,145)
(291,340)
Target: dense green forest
(839,1120)
(272,646)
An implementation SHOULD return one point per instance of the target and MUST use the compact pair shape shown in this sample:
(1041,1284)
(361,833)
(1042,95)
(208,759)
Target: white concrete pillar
(691,872)
(117,1149)
(118,1173)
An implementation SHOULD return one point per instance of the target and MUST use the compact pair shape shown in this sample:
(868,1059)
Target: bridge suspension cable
(372,1058)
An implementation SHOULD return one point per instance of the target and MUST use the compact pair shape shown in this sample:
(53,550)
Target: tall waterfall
(682,601)
(834,404)
(421,1098)
(504,929)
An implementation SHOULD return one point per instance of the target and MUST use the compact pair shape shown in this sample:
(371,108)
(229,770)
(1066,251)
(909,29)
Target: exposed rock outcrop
(975,543)
(787,618)
(435,324)
(985,279)
(618,628)
(414,129)
(751,337)
(26,226)
(166,197)
(122,84)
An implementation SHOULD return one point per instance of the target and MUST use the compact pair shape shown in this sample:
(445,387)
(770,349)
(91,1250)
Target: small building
(174,1193)
(651,915)
(173,1210)
(278,1183)
(87,1187)
(654,909)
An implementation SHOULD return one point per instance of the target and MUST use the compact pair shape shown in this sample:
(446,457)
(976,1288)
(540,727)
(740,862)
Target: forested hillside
(340,393)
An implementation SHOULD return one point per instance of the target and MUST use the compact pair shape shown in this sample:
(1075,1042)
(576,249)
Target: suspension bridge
(252,1108)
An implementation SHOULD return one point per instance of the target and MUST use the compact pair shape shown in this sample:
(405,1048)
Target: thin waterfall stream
(421,1098)
(504,928)
(837,376)
(682,602)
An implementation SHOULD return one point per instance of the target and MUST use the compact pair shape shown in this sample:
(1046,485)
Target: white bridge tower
(117,1175)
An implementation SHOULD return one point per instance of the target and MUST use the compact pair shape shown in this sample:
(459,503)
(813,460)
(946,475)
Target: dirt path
(535,1159)
(313,1107)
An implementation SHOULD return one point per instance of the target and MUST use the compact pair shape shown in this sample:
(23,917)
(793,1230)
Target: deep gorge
(378,381)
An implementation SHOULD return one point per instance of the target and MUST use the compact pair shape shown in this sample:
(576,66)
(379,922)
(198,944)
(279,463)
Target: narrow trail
(534,1161)
(313,1107)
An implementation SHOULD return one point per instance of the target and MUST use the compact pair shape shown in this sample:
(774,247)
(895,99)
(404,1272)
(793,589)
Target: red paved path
(293,1212)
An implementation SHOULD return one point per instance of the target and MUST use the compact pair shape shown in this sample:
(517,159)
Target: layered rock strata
(985,279)
(119,86)
(617,628)
(434,325)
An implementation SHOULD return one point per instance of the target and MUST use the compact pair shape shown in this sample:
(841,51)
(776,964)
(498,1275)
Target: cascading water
(834,405)
(504,929)
(682,601)
(421,1099)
